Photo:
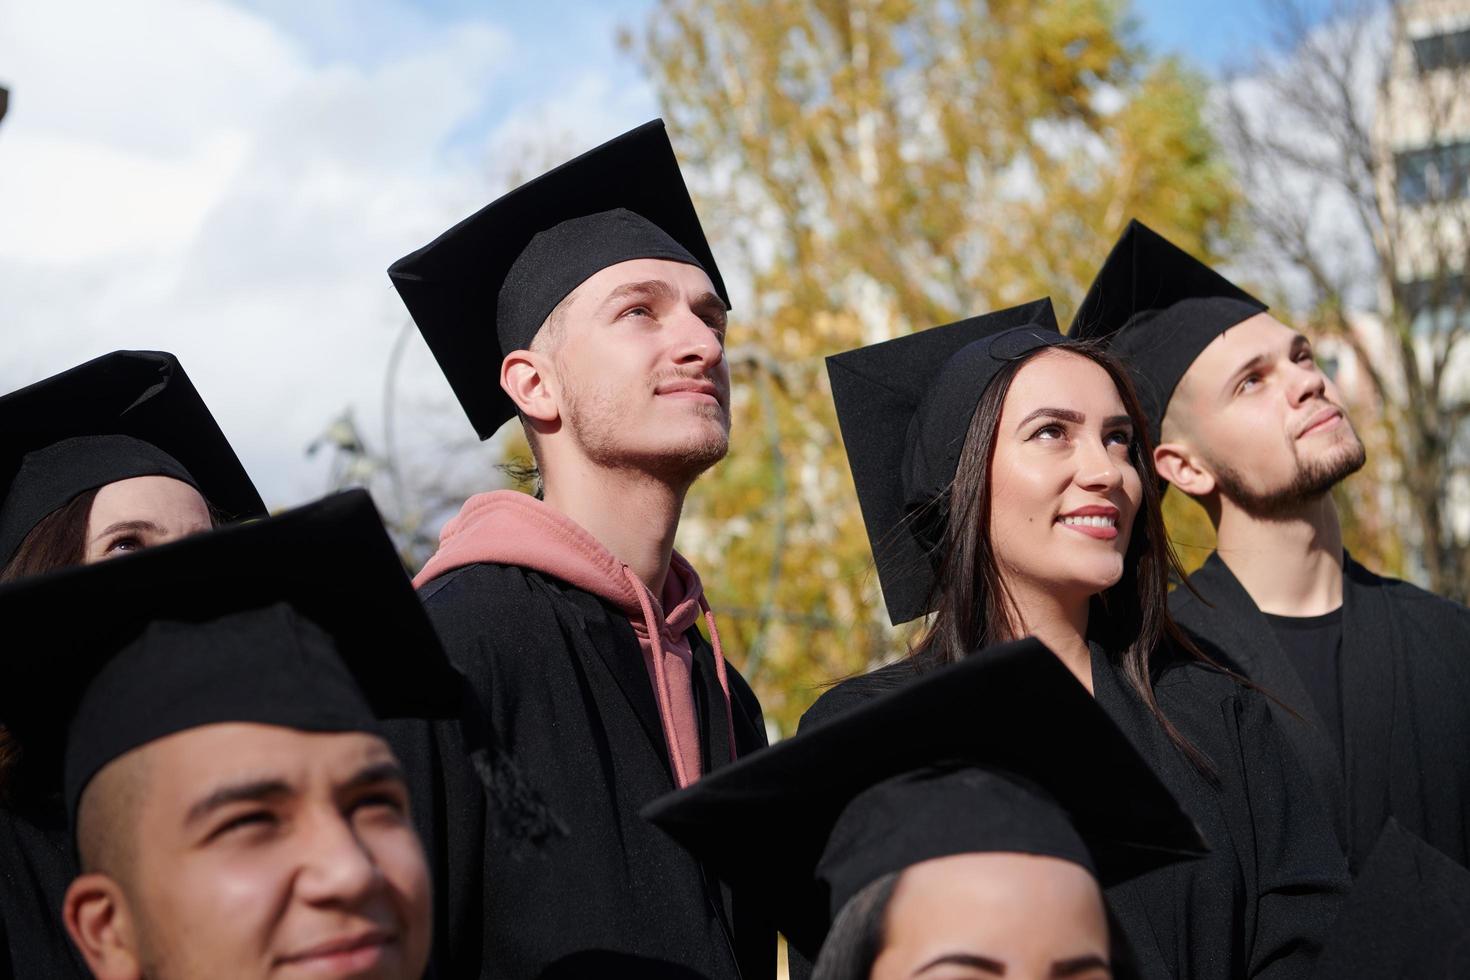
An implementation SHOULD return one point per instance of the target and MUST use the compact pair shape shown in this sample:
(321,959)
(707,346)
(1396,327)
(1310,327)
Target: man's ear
(97,917)
(527,378)
(1178,463)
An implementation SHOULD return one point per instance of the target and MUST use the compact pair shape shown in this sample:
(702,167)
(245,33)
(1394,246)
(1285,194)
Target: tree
(871,167)
(1353,148)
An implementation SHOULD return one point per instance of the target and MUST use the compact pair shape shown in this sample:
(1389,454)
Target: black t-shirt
(1313,644)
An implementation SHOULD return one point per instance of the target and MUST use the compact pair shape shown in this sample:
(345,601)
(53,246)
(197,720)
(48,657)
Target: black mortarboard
(810,821)
(1407,917)
(904,407)
(305,620)
(125,414)
(485,286)
(1161,307)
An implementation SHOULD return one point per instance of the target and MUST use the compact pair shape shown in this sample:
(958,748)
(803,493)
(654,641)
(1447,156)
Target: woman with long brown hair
(1005,482)
(117,454)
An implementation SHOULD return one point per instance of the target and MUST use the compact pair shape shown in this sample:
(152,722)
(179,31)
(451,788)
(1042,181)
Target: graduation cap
(484,287)
(122,415)
(306,620)
(1159,307)
(1004,751)
(904,407)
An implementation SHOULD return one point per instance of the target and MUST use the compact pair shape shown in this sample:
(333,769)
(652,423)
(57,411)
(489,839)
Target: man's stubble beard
(1312,480)
(595,419)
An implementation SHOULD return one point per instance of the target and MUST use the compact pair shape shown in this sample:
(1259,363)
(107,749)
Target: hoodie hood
(510,528)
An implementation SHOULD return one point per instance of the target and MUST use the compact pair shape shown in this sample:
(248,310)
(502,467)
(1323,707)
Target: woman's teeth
(1091,521)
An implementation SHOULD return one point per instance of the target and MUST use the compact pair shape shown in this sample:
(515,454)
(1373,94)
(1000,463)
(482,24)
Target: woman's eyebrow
(126,526)
(1061,414)
(971,960)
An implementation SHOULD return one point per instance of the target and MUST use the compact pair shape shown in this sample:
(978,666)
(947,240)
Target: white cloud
(191,176)
(141,76)
(67,200)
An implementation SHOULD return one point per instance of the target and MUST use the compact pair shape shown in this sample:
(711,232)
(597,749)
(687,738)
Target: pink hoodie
(511,528)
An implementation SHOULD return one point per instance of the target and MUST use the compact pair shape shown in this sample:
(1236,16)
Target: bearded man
(1372,675)
(586,303)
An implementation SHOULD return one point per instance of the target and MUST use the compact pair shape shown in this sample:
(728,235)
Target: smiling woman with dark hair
(1005,479)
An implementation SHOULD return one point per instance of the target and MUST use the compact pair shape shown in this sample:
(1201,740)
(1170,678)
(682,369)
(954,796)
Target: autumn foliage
(867,168)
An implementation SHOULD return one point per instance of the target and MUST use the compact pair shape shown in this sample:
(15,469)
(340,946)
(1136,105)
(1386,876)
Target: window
(1450,50)
(1433,173)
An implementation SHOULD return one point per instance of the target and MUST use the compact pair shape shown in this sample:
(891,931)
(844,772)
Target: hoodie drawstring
(714,641)
(660,680)
(663,694)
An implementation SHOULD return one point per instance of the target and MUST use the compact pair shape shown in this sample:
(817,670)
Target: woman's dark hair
(973,608)
(58,540)
(858,933)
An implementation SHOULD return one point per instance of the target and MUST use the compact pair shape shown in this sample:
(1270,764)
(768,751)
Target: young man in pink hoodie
(586,303)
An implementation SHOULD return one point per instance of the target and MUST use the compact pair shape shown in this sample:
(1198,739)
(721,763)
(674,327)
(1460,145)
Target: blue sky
(1211,33)
(1215,36)
(559,37)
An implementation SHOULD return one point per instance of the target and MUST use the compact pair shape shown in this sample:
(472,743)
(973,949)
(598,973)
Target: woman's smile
(1095,520)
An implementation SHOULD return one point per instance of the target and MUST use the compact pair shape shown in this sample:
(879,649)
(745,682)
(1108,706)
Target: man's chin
(1314,479)
(707,438)
(678,462)
(696,457)
(1335,463)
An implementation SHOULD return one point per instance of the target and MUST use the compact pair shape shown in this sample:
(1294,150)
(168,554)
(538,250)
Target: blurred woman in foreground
(976,844)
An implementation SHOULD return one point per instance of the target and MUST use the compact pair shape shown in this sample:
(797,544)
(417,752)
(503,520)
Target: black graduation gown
(36,866)
(1408,917)
(1405,690)
(558,676)
(1260,904)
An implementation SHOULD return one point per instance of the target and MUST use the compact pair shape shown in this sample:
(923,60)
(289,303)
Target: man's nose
(1307,382)
(336,867)
(696,342)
